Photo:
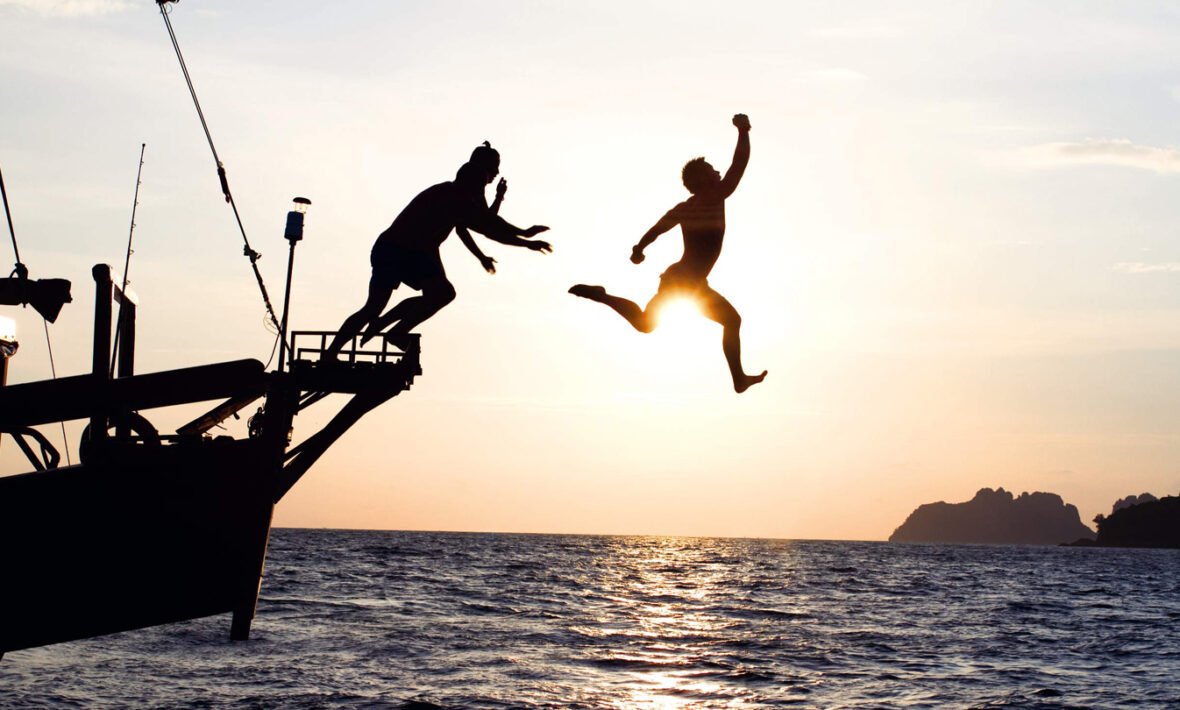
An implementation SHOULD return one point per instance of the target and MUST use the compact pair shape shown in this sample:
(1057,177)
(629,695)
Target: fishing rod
(248,252)
(127,259)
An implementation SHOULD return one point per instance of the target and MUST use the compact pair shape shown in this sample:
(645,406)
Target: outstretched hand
(636,254)
(488,264)
(742,121)
(543,247)
(534,230)
(501,188)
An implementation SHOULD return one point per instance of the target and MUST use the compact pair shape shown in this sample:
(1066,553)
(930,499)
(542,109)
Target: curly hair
(695,174)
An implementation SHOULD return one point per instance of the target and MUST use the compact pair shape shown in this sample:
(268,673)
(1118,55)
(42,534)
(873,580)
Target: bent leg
(391,316)
(378,296)
(642,319)
(436,294)
(717,308)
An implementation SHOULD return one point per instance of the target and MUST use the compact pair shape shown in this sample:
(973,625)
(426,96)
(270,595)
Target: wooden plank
(68,398)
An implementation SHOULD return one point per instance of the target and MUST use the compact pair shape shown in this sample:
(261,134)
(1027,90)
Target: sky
(954,248)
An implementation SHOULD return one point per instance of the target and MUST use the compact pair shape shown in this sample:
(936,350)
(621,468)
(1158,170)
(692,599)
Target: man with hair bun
(408,251)
(702,221)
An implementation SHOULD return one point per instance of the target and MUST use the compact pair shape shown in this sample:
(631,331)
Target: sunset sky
(955,247)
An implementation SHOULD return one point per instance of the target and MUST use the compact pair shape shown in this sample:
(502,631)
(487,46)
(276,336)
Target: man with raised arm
(702,221)
(408,251)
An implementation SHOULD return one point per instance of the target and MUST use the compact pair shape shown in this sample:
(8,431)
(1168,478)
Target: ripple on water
(426,621)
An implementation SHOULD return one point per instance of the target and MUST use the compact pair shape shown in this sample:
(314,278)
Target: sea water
(416,620)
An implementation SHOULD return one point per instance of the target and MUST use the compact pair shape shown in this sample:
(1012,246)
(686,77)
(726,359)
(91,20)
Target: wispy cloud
(1138,267)
(834,74)
(856,32)
(1091,151)
(70,8)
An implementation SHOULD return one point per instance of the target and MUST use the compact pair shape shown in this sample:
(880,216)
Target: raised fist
(742,121)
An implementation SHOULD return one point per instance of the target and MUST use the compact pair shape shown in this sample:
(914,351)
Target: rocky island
(996,516)
(1141,521)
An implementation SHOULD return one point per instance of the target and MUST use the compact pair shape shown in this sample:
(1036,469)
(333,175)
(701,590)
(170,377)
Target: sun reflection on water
(664,631)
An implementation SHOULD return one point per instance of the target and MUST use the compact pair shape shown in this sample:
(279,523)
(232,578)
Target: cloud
(856,32)
(834,74)
(1091,151)
(70,8)
(1136,267)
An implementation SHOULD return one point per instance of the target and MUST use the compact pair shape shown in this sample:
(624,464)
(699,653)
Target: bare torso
(702,222)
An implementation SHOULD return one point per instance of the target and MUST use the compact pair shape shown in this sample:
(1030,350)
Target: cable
(65,442)
(221,176)
(20,269)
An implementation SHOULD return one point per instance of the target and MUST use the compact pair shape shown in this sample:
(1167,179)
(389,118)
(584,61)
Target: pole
(293,234)
(286,306)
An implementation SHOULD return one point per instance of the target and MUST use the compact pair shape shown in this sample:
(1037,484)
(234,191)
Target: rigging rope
(20,269)
(22,272)
(246,250)
(65,442)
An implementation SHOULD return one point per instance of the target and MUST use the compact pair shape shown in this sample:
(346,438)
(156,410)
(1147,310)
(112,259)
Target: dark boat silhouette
(152,528)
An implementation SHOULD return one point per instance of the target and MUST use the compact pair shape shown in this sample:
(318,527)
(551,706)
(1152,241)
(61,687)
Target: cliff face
(1154,523)
(1132,500)
(996,517)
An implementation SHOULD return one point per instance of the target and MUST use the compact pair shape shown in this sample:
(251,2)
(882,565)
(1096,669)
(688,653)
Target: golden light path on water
(671,581)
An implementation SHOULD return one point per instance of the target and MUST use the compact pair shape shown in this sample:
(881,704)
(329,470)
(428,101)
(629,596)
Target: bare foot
(400,341)
(594,293)
(369,335)
(747,382)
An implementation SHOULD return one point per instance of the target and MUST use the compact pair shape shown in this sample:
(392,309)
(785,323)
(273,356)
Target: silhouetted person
(408,251)
(702,221)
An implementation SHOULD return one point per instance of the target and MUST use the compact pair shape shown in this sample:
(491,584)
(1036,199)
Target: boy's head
(487,159)
(699,175)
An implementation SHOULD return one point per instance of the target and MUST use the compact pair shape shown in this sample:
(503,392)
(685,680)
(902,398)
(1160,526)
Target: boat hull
(159,534)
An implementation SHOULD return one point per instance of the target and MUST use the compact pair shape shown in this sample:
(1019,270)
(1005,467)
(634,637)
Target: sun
(683,327)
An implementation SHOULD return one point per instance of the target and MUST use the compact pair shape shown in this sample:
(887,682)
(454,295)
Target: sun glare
(679,315)
(685,340)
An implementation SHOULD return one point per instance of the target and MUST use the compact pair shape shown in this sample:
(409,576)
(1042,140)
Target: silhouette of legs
(378,296)
(719,310)
(391,316)
(644,320)
(437,292)
(713,305)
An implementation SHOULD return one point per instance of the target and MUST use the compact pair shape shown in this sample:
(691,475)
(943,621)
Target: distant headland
(998,517)
(1140,521)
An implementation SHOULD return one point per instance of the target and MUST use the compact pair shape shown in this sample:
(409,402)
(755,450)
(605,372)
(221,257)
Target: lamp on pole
(293,234)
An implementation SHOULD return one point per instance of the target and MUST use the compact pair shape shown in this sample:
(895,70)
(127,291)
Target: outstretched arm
(487,262)
(497,229)
(475,215)
(668,221)
(741,156)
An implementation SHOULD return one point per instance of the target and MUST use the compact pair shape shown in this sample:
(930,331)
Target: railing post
(126,366)
(102,347)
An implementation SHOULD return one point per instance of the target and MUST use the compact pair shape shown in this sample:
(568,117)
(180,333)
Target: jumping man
(702,221)
(408,251)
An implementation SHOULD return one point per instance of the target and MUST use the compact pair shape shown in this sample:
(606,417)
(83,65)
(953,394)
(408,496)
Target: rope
(65,443)
(221,176)
(21,271)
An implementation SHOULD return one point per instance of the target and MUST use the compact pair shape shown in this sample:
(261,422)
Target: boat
(151,528)
(148,527)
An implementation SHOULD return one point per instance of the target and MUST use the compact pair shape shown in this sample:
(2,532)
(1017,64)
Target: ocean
(418,620)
